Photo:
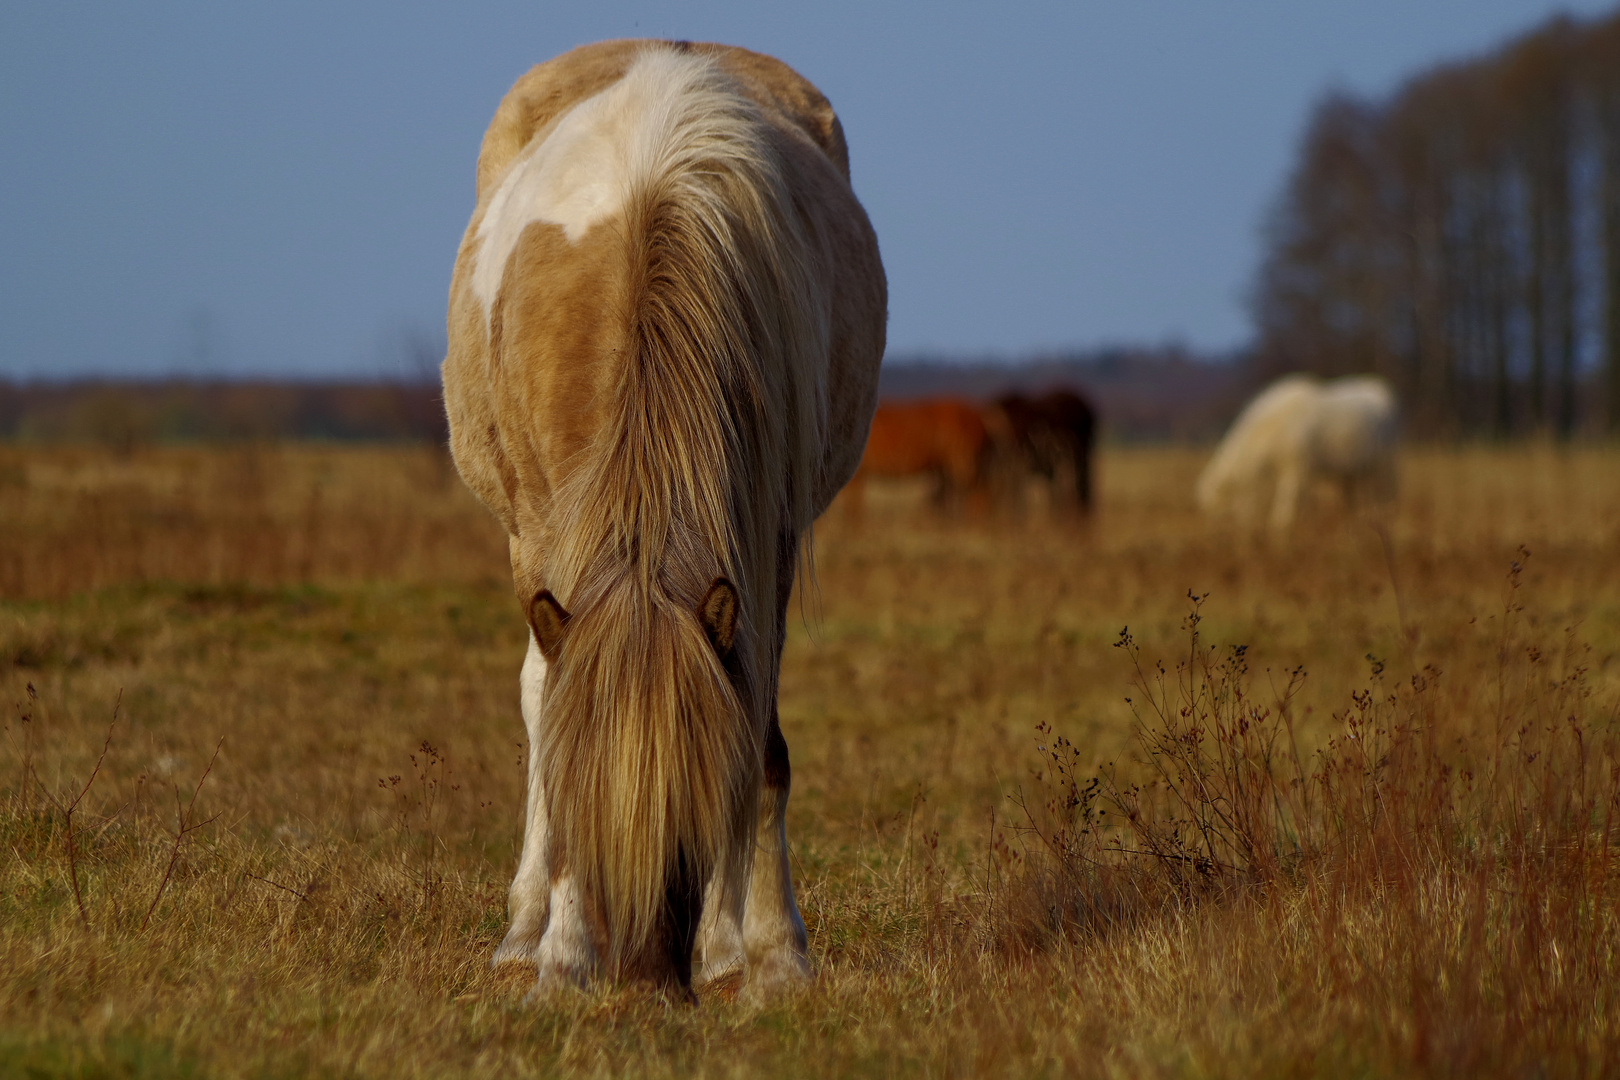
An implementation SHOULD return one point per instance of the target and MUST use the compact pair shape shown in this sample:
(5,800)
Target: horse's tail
(649,767)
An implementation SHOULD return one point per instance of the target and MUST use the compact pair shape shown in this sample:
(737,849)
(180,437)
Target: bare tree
(1432,238)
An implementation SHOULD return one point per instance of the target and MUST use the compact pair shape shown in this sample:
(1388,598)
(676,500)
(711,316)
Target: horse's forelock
(637,699)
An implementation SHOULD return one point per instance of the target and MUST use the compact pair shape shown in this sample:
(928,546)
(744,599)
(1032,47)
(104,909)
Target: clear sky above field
(217,188)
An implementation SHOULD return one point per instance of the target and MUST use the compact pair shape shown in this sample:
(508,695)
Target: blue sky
(220,188)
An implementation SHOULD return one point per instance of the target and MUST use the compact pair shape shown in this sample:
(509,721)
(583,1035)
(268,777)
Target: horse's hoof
(723,981)
(556,981)
(518,947)
(778,973)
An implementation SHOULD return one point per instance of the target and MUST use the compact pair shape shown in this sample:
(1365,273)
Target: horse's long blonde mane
(649,752)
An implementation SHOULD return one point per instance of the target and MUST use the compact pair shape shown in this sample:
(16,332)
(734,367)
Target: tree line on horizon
(1462,239)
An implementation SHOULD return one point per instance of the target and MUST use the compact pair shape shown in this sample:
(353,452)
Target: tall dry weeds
(1450,850)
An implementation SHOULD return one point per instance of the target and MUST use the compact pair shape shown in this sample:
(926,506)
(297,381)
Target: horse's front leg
(1291,478)
(566,955)
(548,928)
(528,901)
(773,932)
(719,962)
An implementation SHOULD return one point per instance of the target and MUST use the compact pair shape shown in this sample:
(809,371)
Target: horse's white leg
(1246,490)
(566,957)
(1285,503)
(773,932)
(719,956)
(548,917)
(527,900)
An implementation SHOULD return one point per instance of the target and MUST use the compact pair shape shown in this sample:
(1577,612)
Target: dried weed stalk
(68,807)
(417,810)
(185,825)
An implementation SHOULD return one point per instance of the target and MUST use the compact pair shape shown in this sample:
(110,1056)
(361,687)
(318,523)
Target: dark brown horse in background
(1051,436)
(945,438)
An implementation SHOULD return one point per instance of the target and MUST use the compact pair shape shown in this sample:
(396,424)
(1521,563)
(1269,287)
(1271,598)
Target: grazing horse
(666,319)
(939,437)
(1052,436)
(1299,431)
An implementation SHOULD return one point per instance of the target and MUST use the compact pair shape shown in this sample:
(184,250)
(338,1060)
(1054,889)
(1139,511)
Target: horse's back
(522,386)
(1355,424)
(1065,415)
(1068,409)
(1284,403)
(1275,422)
(1365,395)
(548,90)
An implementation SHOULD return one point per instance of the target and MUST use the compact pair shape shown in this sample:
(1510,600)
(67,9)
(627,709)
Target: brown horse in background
(941,437)
(1051,436)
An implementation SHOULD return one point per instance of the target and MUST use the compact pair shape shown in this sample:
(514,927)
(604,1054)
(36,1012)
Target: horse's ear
(718,614)
(547,618)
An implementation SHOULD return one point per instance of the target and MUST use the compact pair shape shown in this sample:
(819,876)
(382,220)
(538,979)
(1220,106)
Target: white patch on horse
(584,170)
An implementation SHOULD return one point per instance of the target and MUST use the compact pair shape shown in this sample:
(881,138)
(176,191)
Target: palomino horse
(1051,436)
(939,437)
(666,320)
(1299,431)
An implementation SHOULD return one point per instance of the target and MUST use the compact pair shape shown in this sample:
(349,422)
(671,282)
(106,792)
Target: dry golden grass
(1432,897)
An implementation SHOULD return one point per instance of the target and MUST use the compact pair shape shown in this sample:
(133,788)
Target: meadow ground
(1375,841)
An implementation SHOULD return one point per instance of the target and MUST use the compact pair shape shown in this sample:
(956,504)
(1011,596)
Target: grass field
(1374,842)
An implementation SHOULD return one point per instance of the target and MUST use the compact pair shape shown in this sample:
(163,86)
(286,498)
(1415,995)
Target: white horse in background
(1297,432)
